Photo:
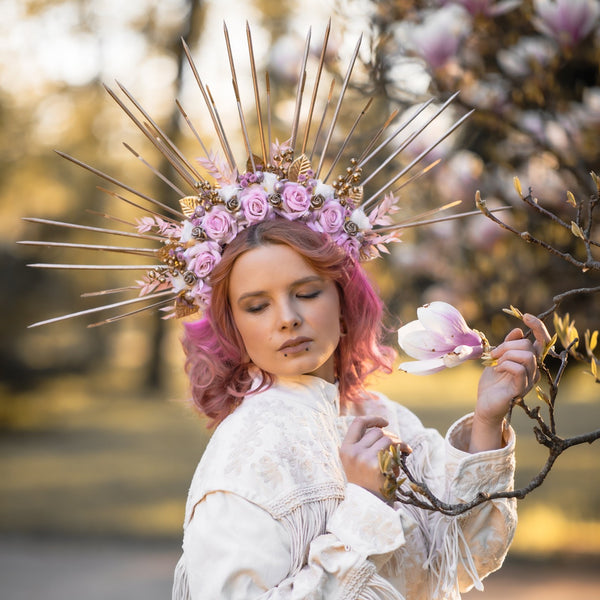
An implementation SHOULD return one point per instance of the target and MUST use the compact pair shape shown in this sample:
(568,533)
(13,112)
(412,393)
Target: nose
(289,318)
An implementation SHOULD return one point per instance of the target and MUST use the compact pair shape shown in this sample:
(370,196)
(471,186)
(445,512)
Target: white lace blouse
(270,516)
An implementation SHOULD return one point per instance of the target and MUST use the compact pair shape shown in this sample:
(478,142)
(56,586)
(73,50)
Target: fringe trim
(380,589)
(449,551)
(181,589)
(304,524)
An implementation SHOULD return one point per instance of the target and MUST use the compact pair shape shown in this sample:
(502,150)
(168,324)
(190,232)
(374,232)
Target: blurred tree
(530,69)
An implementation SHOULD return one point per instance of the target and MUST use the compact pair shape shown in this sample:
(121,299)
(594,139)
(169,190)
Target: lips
(294,344)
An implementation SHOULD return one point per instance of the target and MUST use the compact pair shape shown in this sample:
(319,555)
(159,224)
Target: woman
(286,501)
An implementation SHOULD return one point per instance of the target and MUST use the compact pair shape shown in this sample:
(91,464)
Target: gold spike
(256,94)
(316,87)
(191,126)
(211,108)
(143,208)
(94,267)
(347,140)
(370,145)
(425,152)
(130,313)
(365,159)
(300,91)
(120,290)
(339,105)
(300,166)
(104,307)
(142,236)
(411,137)
(97,247)
(104,215)
(471,213)
(154,170)
(156,141)
(268,86)
(329,97)
(237,97)
(156,131)
(416,176)
(119,183)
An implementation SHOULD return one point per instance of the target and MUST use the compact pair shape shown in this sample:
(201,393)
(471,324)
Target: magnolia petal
(408,328)
(446,320)
(461,354)
(423,344)
(423,367)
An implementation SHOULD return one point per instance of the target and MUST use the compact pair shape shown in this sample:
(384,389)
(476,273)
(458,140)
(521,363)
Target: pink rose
(202,258)
(296,200)
(254,203)
(331,217)
(219,225)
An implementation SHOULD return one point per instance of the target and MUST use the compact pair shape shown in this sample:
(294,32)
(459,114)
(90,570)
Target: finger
(360,425)
(381,444)
(370,437)
(513,341)
(526,359)
(540,333)
(520,375)
(522,345)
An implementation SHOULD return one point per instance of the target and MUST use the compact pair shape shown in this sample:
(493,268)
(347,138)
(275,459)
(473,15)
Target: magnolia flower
(438,38)
(567,21)
(439,339)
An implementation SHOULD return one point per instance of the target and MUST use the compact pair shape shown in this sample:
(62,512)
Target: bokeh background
(98,442)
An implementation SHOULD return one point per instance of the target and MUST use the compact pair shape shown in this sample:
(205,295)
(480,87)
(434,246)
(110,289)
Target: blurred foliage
(530,69)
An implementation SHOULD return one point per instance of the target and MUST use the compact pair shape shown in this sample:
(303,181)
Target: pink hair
(216,364)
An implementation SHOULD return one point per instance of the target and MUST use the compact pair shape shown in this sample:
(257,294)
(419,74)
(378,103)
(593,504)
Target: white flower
(324,190)
(268,182)
(228,191)
(186,232)
(440,339)
(362,221)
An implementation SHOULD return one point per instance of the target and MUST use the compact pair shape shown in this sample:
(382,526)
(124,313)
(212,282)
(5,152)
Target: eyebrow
(298,282)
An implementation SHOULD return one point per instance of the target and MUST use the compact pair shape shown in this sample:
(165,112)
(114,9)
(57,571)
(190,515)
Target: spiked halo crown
(278,181)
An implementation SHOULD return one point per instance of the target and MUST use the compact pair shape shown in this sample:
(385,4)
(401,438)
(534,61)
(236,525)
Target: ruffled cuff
(366,524)
(488,471)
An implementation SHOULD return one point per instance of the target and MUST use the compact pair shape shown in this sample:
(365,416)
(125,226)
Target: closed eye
(309,295)
(256,308)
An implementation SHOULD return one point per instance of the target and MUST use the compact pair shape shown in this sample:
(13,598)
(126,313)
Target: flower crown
(280,183)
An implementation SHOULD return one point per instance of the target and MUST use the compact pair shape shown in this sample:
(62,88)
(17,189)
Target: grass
(85,456)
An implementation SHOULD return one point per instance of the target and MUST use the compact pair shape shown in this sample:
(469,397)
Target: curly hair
(220,374)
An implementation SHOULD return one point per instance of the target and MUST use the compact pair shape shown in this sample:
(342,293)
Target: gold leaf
(513,310)
(189,205)
(517,185)
(549,346)
(571,199)
(542,396)
(300,166)
(258,162)
(356,195)
(576,230)
(591,341)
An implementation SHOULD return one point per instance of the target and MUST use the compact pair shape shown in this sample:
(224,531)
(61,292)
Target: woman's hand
(513,376)
(360,449)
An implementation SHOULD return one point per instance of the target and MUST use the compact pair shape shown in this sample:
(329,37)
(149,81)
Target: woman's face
(287,314)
